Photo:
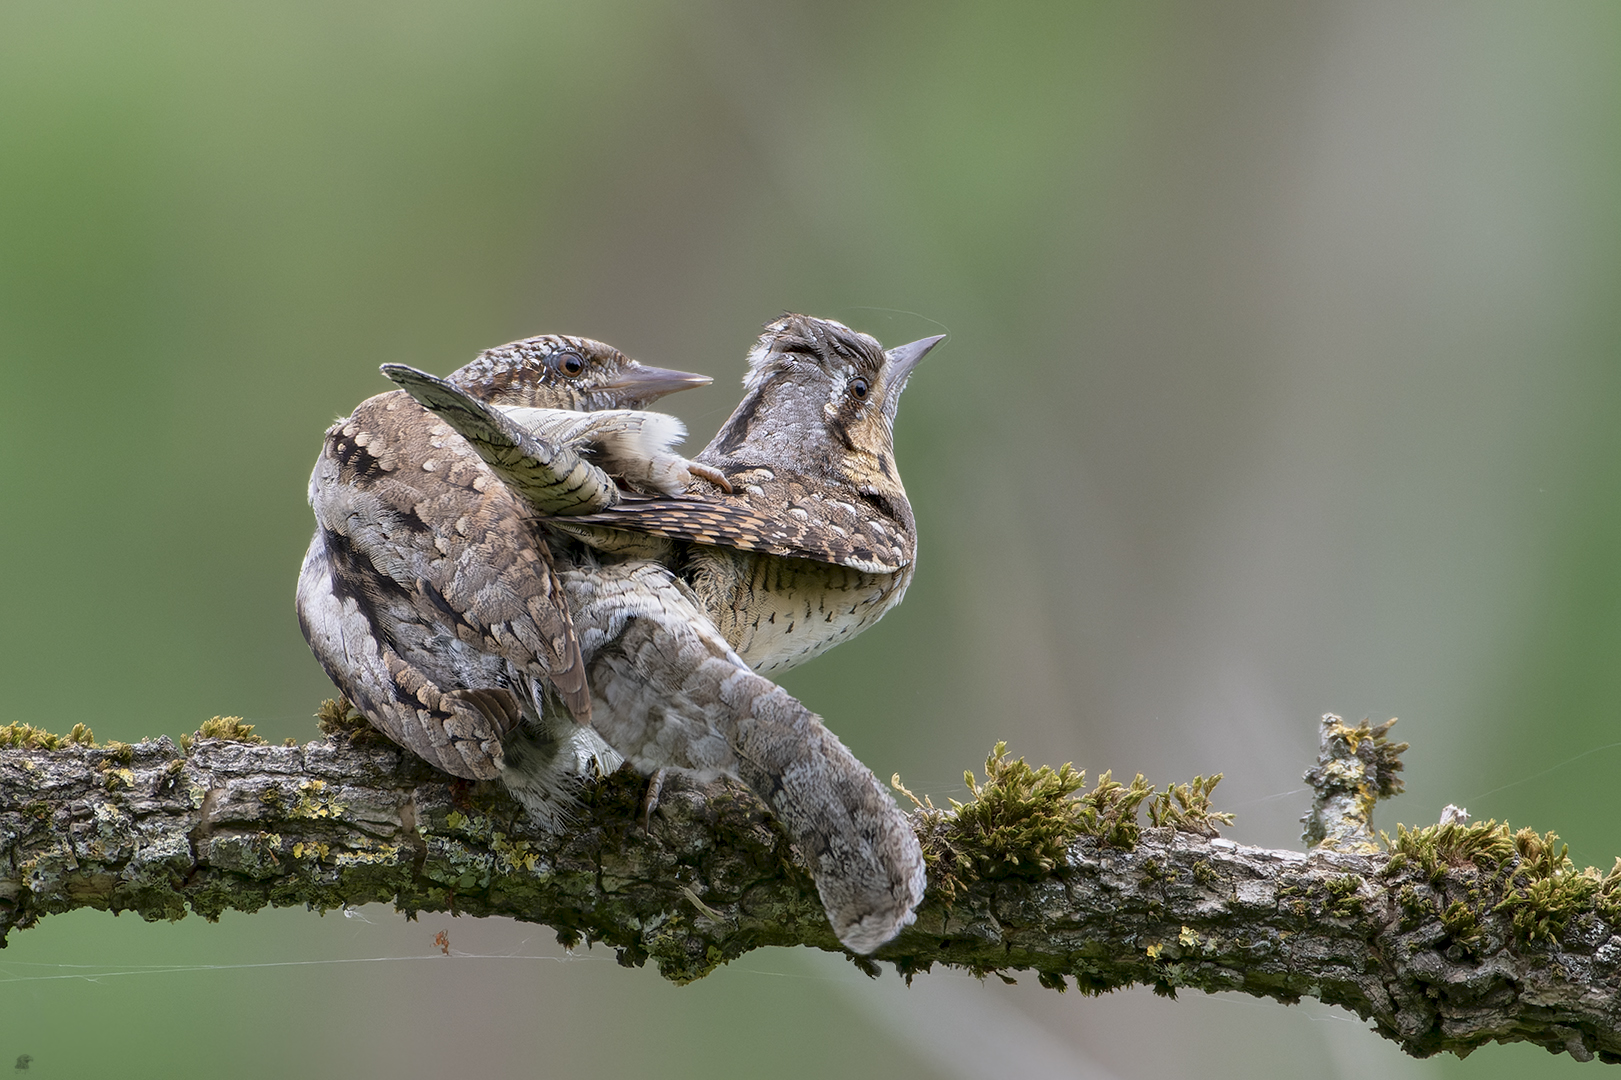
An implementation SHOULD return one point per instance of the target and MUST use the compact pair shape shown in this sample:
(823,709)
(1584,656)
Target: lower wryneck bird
(425,593)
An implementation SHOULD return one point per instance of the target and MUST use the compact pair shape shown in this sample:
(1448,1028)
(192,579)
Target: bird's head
(555,371)
(820,397)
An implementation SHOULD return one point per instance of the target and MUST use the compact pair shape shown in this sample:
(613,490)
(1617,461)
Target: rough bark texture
(158,831)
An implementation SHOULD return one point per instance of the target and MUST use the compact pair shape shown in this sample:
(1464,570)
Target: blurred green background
(1284,377)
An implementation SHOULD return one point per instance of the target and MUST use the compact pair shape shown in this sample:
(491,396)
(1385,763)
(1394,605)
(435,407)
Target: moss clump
(1343,901)
(1187,807)
(339,718)
(1415,905)
(1541,888)
(1109,810)
(228,728)
(1021,820)
(29,737)
(1541,856)
(1437,849)
(1462,924)
(1541,909)
(1546,890)
(1607,901)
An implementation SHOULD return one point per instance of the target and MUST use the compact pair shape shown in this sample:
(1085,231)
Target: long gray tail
(863,854)
(669,692)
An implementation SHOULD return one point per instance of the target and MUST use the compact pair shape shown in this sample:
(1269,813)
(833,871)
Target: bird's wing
(551,476)
(436,549)
(397,697)
(788,521)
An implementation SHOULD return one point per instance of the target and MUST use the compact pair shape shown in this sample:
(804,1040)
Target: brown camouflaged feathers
(809,452)
(552,472)
(667,687)
(427,594)
(814,540)
(817,540)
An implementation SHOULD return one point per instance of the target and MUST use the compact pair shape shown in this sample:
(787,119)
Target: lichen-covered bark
(234,825)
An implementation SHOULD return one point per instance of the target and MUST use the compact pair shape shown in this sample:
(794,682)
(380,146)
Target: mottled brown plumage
(811,541)
(558,371)
(667,688)
(428,595)
(817,541)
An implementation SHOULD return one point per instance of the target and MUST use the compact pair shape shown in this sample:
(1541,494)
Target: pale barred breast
(779,612)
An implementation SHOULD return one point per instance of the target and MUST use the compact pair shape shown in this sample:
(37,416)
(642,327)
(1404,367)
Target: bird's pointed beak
(651,383)
(903,358)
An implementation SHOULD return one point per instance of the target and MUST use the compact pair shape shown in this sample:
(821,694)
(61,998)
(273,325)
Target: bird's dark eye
(858,389)
(568,363)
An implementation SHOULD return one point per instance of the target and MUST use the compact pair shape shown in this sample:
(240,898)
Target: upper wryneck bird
(817,540)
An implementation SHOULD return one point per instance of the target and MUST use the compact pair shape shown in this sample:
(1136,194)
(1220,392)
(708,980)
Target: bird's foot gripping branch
(1446,936)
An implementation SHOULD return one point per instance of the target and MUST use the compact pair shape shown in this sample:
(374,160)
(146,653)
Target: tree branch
(1461,935)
